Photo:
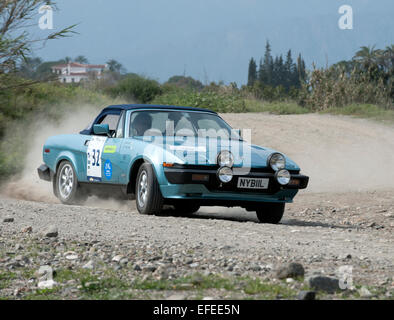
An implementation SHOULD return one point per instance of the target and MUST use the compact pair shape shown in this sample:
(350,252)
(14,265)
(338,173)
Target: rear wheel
(65,185)
(148,195)
(270,212)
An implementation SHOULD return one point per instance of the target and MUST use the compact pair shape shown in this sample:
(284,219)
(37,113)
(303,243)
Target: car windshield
(180,123)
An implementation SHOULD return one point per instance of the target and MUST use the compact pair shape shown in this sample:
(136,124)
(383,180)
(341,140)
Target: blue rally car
(166,155)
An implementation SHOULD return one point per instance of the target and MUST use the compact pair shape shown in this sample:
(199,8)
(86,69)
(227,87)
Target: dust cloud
(338,153)
(27,185)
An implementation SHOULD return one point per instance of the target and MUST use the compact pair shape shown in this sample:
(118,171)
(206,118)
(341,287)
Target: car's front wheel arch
(149,199)
(134,172)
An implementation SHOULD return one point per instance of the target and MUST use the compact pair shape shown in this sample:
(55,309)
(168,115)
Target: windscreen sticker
(94,152)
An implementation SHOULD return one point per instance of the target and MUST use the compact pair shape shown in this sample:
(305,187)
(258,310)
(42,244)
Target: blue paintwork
(72,147)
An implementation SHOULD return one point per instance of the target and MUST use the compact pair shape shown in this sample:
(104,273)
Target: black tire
(66,190)
(148,196)
(270,212)
(186,208)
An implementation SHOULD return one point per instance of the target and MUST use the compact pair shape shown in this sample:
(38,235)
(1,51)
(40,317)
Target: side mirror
(101,129)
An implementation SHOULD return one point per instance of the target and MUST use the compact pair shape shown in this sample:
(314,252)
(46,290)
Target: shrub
(334,88)
(260,91)
(135,87)
(19,108)
(216,101)
(185,82)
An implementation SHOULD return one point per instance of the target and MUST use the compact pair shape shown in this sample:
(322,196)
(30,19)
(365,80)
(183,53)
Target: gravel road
(345,218)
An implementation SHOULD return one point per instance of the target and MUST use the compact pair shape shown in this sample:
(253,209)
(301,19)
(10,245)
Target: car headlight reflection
(277,161)
(225,159)
(283,177)
(225,174)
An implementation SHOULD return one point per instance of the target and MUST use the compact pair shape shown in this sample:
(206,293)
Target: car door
(112,166)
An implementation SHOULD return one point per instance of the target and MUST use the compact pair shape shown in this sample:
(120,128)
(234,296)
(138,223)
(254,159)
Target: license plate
(252,183)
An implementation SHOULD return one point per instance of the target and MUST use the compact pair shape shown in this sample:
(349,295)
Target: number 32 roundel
(95,149)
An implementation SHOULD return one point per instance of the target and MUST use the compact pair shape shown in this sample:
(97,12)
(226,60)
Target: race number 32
(96,157)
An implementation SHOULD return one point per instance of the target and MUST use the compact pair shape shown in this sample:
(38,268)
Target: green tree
(267,66)
(136,87)
(301,69)
(81,59)
(115,66)
(252,73)
(185,82)
(367,56)
(371,62)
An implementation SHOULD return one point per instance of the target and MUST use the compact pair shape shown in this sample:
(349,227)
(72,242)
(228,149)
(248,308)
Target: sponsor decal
(94,179)
(109,149)
(108,169)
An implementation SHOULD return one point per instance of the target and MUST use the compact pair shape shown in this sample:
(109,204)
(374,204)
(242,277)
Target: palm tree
(115,66)
(81,59)
(389,53)
(367,55)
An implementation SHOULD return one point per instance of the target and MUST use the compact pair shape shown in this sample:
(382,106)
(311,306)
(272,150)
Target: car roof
(153,106)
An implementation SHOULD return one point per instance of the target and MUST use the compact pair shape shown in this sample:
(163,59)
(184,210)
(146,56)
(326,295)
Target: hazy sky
(214,39)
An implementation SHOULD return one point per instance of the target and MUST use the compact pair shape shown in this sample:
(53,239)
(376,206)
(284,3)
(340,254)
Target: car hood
(193,151)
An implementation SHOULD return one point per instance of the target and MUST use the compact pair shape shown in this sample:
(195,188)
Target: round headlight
(277,161)
(225,174)
(283,177)
(225,159)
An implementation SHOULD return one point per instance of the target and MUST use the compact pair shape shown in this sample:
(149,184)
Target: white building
(73,72)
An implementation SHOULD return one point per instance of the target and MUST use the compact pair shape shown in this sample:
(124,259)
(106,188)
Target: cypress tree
(252,73)
(268,64)
(301,68)
(288,73)
(260,72)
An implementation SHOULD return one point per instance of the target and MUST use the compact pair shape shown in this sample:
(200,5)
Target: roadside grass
(5,278)
(117,285)
(44,294)
(266,290)
(193,282)
(279,108)
(113,285)
(368,111)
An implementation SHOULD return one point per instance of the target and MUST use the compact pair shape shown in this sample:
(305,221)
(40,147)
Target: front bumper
(182,175)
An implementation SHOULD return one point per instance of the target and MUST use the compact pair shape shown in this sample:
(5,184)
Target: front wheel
(270,212)
(65,185)
(148,195)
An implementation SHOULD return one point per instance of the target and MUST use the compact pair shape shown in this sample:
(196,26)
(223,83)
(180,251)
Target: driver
(141,123)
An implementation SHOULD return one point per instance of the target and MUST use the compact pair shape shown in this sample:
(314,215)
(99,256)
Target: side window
(120,128)
(112,121)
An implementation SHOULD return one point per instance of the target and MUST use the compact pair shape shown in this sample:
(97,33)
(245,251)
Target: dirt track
(346,217)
